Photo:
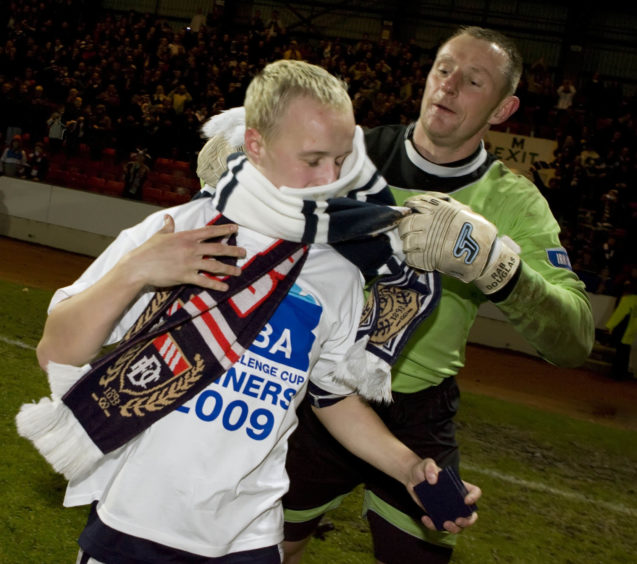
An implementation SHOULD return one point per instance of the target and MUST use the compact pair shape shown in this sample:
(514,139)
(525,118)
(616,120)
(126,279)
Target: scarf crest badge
(395,305)
(147,377)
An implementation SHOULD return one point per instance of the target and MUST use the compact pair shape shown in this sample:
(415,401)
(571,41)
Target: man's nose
(450,83)
(328,172)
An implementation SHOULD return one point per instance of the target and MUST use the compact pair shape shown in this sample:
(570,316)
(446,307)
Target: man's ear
(253,145)
(505,110)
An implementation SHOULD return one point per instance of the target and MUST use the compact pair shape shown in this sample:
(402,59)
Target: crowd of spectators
(73,78)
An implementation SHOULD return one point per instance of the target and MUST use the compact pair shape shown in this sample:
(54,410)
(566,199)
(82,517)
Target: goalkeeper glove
(449,237)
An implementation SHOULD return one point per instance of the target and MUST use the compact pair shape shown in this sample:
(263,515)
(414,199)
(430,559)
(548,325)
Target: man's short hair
(515,64)
(272,89)
(212,159)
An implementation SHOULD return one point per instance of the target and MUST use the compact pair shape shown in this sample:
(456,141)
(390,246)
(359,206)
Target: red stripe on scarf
(216,331)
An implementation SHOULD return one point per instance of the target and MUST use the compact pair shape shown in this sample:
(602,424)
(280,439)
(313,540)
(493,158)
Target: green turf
(34,526)
(555,489)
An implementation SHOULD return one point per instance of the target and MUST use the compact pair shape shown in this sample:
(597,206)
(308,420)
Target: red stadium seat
(114,187)
(151,194)
(163,164)
(58,176)
(181,169)
(76,180)
(173,198)
(95,183)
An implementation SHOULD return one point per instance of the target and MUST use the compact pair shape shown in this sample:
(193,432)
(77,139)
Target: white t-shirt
(208,477)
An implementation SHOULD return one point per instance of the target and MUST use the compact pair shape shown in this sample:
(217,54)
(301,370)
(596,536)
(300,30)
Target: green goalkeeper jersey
(547,303)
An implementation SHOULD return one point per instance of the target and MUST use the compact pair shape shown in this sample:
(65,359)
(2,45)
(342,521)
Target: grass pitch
(555,489)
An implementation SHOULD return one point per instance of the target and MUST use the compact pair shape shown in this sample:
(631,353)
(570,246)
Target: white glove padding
(447,236)
(503,264)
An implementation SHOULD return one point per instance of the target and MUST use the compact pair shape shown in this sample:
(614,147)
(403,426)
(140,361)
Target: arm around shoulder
(77,327)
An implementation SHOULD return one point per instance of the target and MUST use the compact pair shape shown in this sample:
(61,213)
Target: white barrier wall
(85,223)
(72,220)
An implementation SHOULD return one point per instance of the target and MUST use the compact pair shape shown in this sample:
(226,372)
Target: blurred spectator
(610,255)
(535,80)
(622,326)
(550,190)
(39,110)
(75,135)
(585,268)
(128,134)
(180,98)
(73,109)
(98,131)
(565,94)
(12,113)
(14,158)
(293,51)
(609,209)
(176,49)
(110,98)
(274,29)
(37,163)
(197,21)
(56,131)
(159,95)
(594,96)
(135,174)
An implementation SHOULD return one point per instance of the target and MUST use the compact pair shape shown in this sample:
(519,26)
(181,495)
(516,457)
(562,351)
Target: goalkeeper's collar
(462,167)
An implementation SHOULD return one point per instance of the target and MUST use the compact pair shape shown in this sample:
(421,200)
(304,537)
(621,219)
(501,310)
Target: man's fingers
(451,527)
(456,527)
(221,250)
(431,471)
(217,268)
(475,493)
(169,224)
(464,522)
(211,283)
(212,231)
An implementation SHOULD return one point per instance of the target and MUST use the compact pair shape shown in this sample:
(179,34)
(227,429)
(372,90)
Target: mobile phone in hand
(444,500)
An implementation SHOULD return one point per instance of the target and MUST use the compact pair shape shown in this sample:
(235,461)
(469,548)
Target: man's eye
(313,164)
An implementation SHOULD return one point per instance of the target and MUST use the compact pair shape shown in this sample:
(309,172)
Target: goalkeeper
(494,236)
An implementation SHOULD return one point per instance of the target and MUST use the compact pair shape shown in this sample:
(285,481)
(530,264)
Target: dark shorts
(104,544)
(321,469)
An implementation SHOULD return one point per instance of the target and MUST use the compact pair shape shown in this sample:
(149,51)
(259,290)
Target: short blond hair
(272,89)
(211,161)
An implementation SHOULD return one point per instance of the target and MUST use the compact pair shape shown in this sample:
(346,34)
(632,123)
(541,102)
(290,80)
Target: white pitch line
(16,343)
(615,507)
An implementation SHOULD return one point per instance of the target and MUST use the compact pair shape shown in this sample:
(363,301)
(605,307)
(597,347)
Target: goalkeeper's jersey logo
(559,257)
(466,244)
